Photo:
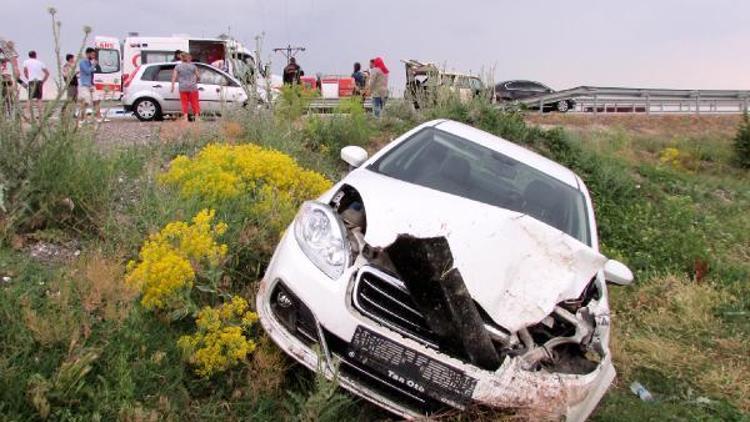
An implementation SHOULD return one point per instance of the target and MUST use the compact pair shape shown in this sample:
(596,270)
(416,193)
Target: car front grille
(385,299)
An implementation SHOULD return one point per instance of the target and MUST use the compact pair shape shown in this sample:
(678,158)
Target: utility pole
(289,51)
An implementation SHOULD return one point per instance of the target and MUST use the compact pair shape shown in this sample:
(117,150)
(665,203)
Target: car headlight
(321,235)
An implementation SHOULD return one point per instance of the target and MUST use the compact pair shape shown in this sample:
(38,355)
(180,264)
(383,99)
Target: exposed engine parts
(563,342)
(426,267)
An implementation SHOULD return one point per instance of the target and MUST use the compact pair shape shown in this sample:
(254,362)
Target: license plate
(413,370)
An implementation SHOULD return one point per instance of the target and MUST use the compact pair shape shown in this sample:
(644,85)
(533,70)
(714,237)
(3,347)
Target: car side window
(150,73)
(512,85)
(212,77)
(165,74)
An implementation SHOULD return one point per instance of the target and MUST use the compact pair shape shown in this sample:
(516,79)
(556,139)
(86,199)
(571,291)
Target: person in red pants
(186,75)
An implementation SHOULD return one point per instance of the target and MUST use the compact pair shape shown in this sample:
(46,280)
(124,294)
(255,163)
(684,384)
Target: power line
(289,51)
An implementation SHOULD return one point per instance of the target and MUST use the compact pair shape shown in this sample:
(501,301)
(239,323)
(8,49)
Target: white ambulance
(118,60)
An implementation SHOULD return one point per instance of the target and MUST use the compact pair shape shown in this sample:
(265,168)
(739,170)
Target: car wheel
(563,106)
(147,109)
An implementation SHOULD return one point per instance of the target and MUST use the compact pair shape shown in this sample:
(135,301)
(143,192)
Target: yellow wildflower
(169,260)
(220,341)
(220,172)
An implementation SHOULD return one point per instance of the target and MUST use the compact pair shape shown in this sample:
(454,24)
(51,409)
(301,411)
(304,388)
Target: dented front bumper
(538,394)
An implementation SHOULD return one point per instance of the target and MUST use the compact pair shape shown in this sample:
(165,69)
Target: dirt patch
(54,253)
(125,133)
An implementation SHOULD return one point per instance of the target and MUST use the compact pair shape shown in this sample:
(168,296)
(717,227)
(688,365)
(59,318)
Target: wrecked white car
(450,270)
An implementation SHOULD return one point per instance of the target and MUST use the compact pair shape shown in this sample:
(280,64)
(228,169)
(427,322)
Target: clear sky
(636,43)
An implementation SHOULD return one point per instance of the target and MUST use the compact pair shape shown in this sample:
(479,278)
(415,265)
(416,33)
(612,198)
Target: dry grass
(265,372)
(103,293)
(232,130)
(179,132)
(57,322)
(92,291)
(700,143)
(654,125)
(670,325)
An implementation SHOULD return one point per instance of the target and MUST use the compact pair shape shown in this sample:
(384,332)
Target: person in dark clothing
(292,72)
(359,78)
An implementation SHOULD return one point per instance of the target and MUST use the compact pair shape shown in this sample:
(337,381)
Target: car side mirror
(616,272)
(353,155)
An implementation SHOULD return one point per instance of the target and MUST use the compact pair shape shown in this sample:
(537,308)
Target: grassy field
(80,341)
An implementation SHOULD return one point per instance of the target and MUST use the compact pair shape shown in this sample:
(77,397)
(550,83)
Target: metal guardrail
(591,99)
(330,104)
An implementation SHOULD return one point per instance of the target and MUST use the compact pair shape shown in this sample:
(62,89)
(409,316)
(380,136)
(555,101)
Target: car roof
(512,150)
(173,63)
(144,66)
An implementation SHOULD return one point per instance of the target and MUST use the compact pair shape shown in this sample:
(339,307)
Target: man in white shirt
(36,74)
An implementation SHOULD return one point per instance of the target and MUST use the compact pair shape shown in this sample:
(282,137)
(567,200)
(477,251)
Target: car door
(210,93)
(162,87)
(234,93)
(217,91)
(108,80)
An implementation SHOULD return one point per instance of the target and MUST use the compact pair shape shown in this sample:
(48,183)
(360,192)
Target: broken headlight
(321,235)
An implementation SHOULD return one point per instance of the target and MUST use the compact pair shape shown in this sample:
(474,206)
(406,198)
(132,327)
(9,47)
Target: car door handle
(217,89)
(201,89)
(156,86)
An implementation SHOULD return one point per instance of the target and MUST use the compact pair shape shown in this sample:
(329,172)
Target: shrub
(171,259)
(221,339)
(224,172)
(60,180)
(293,102)
(742,143)
(349,125)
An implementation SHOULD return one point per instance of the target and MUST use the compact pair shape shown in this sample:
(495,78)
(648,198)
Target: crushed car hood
(514,266)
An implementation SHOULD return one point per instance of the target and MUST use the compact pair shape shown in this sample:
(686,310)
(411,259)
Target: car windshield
(438,160)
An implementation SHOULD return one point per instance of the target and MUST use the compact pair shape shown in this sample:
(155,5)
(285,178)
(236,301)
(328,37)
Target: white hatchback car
(147,93)
(452,269)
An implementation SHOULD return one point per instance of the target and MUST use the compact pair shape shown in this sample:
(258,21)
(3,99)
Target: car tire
(562,106)
(147,109)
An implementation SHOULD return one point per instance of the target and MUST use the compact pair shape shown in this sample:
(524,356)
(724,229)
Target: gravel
(121,133)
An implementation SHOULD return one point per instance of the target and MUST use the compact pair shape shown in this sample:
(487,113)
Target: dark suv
(522,90)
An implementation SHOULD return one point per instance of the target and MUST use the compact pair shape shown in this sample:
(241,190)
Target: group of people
(80,84)
(32,74)
(78,77)
(372,82)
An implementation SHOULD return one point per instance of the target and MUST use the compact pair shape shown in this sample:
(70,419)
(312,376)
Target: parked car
(522,90)
(148,91)
(451,269)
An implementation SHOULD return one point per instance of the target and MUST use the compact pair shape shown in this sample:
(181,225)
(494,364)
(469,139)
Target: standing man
(86,89)
(36,74)
(70,78)
(292,72)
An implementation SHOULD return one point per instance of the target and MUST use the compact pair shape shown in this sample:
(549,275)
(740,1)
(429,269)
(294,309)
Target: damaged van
(450,270)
